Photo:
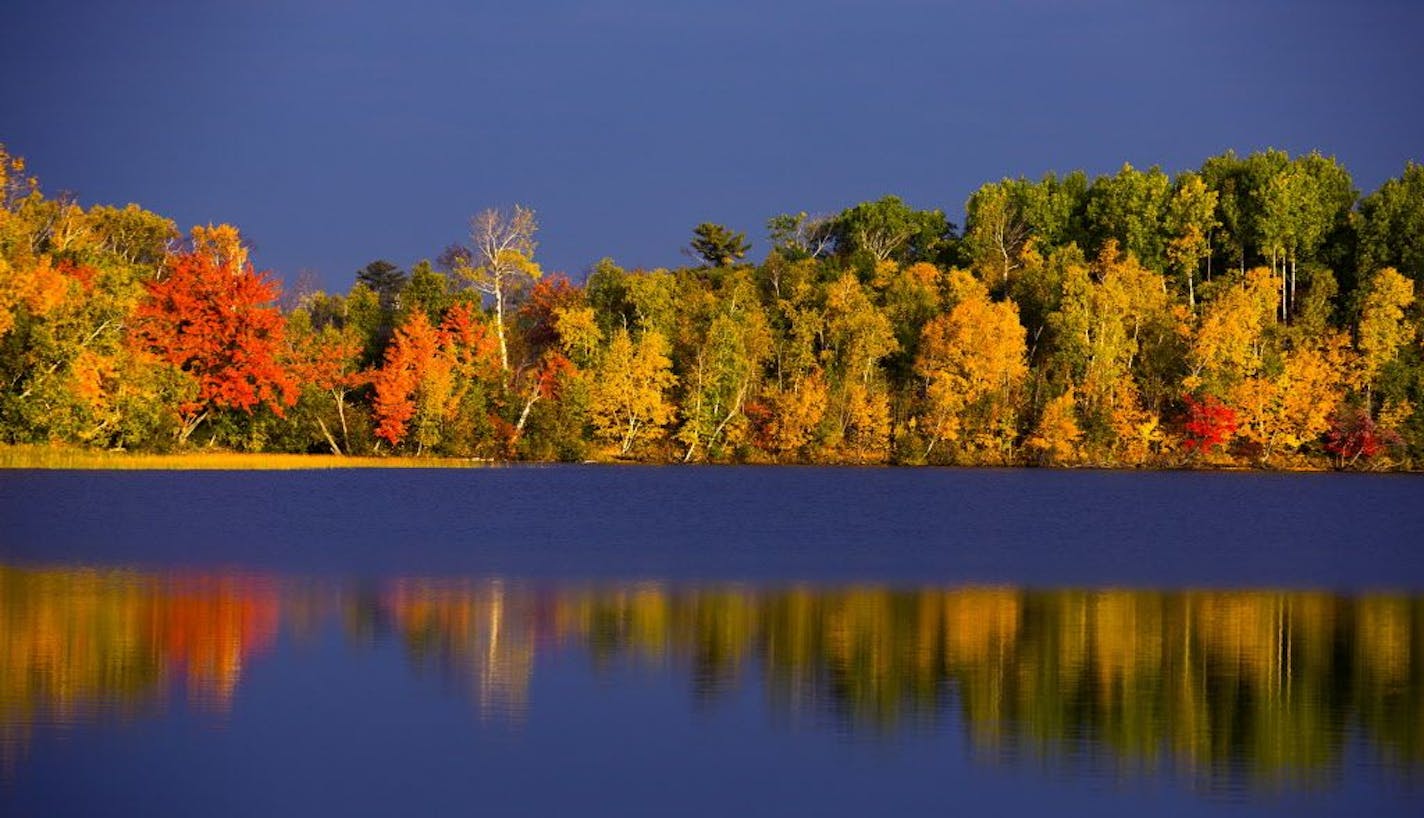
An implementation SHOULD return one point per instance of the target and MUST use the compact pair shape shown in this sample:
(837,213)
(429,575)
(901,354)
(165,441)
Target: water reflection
(1225,687)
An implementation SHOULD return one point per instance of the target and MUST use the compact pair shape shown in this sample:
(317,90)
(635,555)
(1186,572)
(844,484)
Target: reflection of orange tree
(477,629)
(210,625)
(77,643)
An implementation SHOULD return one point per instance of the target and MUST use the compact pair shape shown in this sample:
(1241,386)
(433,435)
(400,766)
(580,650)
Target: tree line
(1254,312)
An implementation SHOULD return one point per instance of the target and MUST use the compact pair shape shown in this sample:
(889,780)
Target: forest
(1258,312)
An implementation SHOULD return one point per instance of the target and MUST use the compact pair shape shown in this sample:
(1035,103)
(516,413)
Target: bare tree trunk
(499,324)
(1292,283)
(189,427)
(340,395)
(1208,256)
(524,413)
(331,441)
(731,413)
(1279,270)
(628,438)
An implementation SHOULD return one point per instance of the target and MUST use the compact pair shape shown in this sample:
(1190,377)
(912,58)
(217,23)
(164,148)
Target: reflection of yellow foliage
(1127,635)
(979,623)
(483,628)
(1384,634)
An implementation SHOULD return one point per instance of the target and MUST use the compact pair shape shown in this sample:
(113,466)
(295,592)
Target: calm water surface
(710,641)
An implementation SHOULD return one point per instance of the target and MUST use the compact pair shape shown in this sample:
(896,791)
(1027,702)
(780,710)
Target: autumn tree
(1286,407)
(217,323)
(326,361)
(727,351)
(629,397)
(222,244)
(857,337)
(1189,220)
(1209,424)
(547,367)
(910,297)
(426,373)
(1114,333)
(1383,328)
(1354,436)
(499,260)
(970,360)
(1056,436)
(1231,342)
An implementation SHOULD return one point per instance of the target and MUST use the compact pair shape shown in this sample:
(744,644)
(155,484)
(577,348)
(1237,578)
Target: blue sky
(334,133)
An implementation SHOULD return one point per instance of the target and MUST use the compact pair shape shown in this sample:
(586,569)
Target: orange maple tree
(426,367)
(218,323)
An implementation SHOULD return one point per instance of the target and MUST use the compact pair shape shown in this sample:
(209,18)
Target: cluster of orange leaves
(421,365)
(217,322)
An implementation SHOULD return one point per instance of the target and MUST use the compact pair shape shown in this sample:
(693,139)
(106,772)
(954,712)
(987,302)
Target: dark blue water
(710,641)
(1032,527)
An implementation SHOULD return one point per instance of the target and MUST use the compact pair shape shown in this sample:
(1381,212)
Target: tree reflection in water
(1227,687)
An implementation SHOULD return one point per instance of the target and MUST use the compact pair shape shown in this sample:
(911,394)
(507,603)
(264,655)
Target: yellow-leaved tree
(1056,436)
(1229,344)
(858,337)
(971,360)
(1281,412)
(628,400)
(1382,329)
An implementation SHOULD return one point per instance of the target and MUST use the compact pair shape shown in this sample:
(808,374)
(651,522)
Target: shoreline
(39,457)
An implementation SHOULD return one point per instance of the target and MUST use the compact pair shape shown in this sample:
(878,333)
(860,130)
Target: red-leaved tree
(218,323)
(1210,423)
(1353,435)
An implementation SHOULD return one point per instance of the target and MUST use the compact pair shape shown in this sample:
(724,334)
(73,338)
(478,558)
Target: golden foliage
(971,359)
(1285,411)
(628,400)
(1383,329)
(1057,434)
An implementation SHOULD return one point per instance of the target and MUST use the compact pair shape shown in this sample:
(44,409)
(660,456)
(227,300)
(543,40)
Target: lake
(710,641)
